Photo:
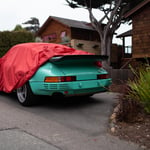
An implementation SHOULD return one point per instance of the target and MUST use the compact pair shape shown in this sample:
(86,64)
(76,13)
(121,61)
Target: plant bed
(137,132)
(137,128)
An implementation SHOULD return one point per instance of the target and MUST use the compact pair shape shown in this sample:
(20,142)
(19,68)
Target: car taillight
(102,76)
(98,64)
(67,78)
(51,79)
(60,79)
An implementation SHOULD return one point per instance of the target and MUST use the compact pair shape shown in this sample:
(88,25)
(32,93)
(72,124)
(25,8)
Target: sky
(14,12)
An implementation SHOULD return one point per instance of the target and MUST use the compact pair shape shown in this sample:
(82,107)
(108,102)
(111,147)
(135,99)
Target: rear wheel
(25,95)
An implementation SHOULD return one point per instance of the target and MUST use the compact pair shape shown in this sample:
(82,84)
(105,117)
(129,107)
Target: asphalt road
(64,124)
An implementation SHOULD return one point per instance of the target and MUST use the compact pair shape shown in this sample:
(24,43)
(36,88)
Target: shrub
(11,38)
(128,107)
(139,88)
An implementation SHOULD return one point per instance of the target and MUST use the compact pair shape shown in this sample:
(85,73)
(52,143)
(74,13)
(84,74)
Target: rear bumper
(70,88)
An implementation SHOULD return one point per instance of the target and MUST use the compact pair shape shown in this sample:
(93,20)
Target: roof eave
(139,6)
(44,26)
(125,34)
(47,22)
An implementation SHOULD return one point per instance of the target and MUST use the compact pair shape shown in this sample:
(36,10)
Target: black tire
(25,95)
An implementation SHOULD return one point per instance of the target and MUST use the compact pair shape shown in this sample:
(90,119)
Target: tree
(19,28)
(113,12)
(33,25)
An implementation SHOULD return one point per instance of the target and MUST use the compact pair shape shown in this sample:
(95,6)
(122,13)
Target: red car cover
(20,63)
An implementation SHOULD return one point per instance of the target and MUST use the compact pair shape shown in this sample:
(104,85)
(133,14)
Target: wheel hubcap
(22,93)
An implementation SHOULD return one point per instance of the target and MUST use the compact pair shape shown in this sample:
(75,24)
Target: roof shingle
(74,23)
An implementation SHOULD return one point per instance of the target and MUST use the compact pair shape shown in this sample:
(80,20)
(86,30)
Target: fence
(120,75)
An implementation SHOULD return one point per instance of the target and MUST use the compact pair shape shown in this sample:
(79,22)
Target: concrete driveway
(65,124)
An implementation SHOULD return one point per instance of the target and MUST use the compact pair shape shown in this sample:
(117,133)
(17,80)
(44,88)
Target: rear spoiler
(65,57)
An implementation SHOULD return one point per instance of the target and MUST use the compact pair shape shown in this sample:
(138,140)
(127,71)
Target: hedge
(11,38)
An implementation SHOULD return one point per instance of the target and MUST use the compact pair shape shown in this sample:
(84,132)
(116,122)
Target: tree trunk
(106,49)
(106,31)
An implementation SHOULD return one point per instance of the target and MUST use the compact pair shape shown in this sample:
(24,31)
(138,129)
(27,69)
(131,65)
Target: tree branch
(95,23)
(112,17)
(106,12)
(118,22)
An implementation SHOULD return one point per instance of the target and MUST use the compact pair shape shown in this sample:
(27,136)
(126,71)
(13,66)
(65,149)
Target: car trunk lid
(84,67)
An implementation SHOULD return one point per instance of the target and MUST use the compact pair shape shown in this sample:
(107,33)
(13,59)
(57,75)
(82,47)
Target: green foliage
(19,28)
(140,87)
(33,25)
(9,39)
(99,3)
(87,3)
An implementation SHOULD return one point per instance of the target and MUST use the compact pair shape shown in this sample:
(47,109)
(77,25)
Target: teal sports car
(70,75)
(33,69)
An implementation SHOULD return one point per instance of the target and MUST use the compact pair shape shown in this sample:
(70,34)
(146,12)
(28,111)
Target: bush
(135,98)
(139,88)
(9,39)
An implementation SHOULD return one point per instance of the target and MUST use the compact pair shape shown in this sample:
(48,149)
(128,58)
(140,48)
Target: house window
(64,37)
(50,37)
(128,49)
(128,43)
(63,34)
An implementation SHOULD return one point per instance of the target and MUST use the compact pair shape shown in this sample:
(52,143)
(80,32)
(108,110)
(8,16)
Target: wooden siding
(55,28)
(141,33)
(83,34)
(89,46)
(52,33)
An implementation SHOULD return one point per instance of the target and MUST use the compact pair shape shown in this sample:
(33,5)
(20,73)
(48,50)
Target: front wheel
(25,95)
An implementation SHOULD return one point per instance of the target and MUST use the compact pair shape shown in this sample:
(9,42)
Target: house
(140,16)
(76,34)
(73,33)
